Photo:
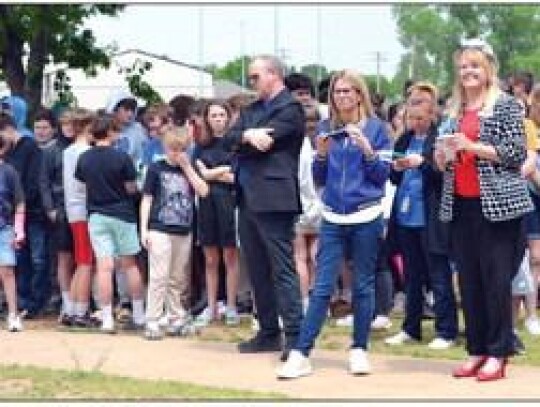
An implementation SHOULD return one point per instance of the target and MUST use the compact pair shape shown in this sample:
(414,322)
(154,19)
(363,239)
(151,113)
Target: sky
(350,35)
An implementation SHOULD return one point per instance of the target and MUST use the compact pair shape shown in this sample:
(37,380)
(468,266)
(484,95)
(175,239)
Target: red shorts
(82,248)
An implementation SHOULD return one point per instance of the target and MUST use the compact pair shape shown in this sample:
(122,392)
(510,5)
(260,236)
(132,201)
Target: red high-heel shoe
(500,373)
(463,371)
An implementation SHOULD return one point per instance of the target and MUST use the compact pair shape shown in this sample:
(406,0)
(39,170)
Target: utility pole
(319,48)
(201,51)
(276,30)
(379,58)
(283,55)
(242,54)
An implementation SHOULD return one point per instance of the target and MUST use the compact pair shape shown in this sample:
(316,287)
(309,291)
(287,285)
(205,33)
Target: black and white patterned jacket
(503,192)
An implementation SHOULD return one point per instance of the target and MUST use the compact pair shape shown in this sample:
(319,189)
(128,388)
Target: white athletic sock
(106,315)
(81,308)
(67,305)
(137,311)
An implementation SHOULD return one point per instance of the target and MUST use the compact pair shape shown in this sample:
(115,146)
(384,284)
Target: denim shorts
(523,283)
(113,237)
(7,251)
(532,219)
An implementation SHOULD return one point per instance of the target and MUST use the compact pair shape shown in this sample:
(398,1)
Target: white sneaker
(440,344)
(107,326)
(182,327)
(533,325)
(297,365)
(153,331)
(358,362)
(381,322)
(204,318)
(163,322)
(221,309)
(231,317)
(346,321)
(399,339)
(255,324)
(14,323)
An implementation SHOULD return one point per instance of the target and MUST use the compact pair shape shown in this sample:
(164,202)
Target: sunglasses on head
(478,44)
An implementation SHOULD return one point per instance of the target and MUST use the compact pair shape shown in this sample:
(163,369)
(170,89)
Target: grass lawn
(338,338)
(21,383)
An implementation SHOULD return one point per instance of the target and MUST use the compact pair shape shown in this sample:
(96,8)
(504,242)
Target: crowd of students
(136,211)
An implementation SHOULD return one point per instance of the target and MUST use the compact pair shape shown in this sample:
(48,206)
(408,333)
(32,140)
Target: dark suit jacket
(268,181)
(438,232)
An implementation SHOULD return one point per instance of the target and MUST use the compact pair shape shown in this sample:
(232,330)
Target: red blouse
(467,183)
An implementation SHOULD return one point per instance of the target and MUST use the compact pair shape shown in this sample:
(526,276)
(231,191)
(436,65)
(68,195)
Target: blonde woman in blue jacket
(354,177)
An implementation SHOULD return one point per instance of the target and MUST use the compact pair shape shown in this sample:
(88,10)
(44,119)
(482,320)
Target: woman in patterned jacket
(480,150)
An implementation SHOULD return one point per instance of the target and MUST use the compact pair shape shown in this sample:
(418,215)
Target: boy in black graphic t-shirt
(166,224)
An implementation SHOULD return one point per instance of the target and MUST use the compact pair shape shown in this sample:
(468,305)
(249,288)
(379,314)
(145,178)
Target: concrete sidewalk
(219,365)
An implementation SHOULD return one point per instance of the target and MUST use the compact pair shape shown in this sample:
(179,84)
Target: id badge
(405,205)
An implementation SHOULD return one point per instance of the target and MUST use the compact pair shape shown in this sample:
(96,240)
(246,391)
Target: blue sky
(350,35)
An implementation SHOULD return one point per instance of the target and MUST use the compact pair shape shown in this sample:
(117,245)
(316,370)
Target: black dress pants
(266,240)
(487,255)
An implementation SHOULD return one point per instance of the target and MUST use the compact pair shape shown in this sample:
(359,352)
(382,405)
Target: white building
(166,76)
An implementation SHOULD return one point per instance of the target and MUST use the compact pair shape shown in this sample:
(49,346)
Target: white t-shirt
(74,190)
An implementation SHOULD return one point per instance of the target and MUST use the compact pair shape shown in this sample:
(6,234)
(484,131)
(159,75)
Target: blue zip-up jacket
(350,181)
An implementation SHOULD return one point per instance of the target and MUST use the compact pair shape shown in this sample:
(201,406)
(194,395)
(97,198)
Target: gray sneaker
(182,327)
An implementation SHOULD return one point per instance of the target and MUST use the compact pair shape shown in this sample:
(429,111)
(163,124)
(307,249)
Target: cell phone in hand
(337,134)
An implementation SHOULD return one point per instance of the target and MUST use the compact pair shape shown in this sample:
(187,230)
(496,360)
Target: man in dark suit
(268,137)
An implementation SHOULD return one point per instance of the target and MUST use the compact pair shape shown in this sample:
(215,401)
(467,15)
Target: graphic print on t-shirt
(175,207)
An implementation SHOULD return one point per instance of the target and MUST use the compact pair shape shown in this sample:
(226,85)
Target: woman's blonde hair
(534,97)
(365,108)
(177,137)
(493,88)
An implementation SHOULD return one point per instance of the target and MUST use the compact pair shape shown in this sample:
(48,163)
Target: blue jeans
(33,268)
(363,240)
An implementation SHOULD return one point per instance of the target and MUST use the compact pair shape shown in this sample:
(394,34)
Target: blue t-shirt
(410,194)
(152,151)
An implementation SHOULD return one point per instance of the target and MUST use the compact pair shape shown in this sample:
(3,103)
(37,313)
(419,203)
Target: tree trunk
(39,49)
(11,53)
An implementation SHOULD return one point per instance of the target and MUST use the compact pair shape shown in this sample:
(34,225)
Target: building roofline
(160,57)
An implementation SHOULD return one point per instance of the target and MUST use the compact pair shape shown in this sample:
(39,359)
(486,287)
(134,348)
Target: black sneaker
(131,326)
(65,320)
(84,322)
(259,344)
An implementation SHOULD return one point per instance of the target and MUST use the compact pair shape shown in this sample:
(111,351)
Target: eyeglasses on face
(254,77)
(343,91)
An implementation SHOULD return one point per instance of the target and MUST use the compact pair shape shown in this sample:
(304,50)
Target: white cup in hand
(446,144)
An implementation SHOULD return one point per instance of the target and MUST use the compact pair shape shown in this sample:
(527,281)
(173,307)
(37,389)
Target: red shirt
(467,183)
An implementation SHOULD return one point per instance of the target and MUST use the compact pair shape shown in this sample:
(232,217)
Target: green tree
(315,71)
(431,33)
(31,36)
(234,71)
(137,85)
(386,86)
